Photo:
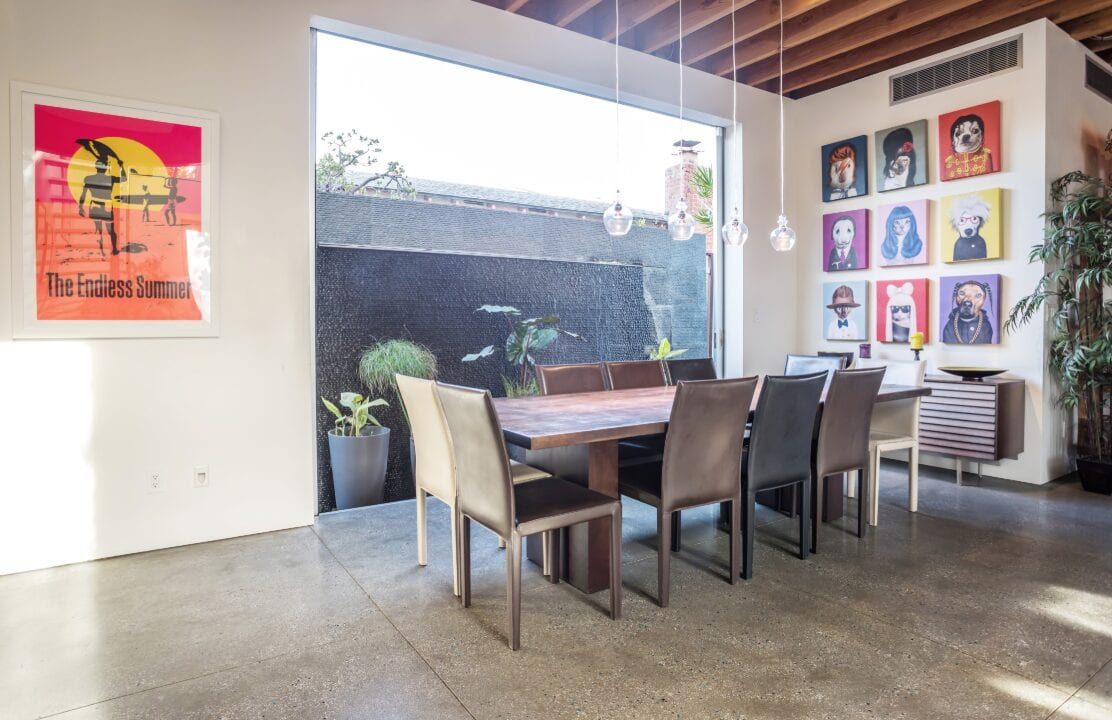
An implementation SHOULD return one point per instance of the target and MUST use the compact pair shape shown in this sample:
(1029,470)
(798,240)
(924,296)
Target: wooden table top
(548,421)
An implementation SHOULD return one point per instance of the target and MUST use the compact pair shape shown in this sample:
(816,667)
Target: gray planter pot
(359,467)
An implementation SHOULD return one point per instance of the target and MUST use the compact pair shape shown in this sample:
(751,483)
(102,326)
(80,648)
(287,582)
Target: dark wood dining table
(581,430)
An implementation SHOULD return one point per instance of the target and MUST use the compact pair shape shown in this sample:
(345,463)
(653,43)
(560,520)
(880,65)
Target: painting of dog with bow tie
(839,314)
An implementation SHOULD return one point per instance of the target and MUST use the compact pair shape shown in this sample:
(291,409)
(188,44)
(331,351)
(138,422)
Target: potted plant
(526,339)
(379,364)
(1078,251)
(357,447)
(663,350)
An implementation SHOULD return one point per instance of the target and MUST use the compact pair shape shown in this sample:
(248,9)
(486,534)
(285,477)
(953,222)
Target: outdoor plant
(382,361)
(1078,249)
(702,179)
(663,350)
(349,150)
(527,338)
(359,415)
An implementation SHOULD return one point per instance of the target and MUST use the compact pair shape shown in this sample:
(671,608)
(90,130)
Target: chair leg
(748,528)
(546,561)
(663,557)
(735,538)
(513,581)
(676,529)
(817,491)
(851,484)
(465,560)
(422,535)
(805,518)
(863,500)
(501,544)
(874,488)
(913,480)
(455,548)
(551,548)
(615,564)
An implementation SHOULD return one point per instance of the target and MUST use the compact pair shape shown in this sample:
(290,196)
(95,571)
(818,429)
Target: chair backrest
(561,379)
(807,364)
(432,446)
(898,417)
(784,429)
(849,357)
(483,478)
(636,374)
(691,369)
(843,442)
(702,450)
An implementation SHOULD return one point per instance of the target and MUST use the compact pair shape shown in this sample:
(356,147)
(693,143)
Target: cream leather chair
(895,426)
(435,468)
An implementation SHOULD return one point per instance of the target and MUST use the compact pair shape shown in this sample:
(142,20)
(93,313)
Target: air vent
(957,71)
(1098,79)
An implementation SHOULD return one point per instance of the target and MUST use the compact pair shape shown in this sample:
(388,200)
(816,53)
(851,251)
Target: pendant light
(783,237)
(681,225)
(617,219)
(735,232)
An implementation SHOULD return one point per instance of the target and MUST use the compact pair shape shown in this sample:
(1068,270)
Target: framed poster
(903,233)
(969,142)
(971,226)
(901,309)
(845,169)
(845,241)
(845,311)
(969,309)
(901,156)
(114,218)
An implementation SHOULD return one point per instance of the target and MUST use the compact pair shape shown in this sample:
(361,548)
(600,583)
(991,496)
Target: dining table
(576,436)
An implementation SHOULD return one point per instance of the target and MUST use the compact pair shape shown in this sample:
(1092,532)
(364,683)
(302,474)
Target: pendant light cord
(617,102)
(681,85)
(781,3)
(733,58)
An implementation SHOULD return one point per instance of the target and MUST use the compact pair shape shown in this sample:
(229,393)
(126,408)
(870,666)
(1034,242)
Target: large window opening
(443,188)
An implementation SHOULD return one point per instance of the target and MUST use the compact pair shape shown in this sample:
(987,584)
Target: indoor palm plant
(1076,291)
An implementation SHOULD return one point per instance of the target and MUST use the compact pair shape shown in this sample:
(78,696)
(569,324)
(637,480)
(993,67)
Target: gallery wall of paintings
(892,239)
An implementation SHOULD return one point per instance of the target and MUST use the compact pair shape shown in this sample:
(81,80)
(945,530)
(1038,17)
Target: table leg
(588,563)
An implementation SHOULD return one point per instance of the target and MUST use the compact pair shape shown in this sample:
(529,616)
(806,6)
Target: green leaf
(350,399)
(333,409)
(499,310)
(543,338)
(485,352)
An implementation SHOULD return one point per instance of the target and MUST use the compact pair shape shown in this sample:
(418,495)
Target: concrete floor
(994,601)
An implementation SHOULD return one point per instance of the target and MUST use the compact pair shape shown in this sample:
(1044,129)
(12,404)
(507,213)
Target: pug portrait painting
(969,142)
(969,310)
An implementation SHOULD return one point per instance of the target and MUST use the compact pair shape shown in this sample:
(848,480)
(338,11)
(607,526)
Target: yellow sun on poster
(135,157)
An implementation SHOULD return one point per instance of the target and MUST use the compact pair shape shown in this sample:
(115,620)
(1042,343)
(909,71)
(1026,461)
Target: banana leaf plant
(1077,292)
(527,338)
(353,422)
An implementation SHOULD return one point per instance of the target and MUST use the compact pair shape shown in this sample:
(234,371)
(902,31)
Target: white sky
(449,122)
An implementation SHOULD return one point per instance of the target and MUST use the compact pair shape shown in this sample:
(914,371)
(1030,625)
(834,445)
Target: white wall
(85,422)
(862,107)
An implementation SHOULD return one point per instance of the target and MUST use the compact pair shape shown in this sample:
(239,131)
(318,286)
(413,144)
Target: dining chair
(488,495)
(779,452)
(433,469)
(580,377)
(701,464)
(690,369)
(849,357)
(895,427)
(842,445)
(635,374)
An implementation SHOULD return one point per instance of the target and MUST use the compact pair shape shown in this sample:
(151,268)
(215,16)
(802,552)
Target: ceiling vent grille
(975,65)
(1098,79)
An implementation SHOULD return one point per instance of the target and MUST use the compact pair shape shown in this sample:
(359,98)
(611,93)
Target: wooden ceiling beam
(664,29)
(513,5)
(634,12)
(563,12)
(1097,23)
(810,26)
(1099,46)
(930,39)
(751,20)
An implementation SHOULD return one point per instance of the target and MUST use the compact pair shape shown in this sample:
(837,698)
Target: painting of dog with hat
(839,314)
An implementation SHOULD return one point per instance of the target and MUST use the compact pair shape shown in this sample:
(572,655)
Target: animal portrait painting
(845,310)
(902,233)
(845,240)
(969,142)
(969,309)
(972,226)
(901,309)
(845,169)
(901,156)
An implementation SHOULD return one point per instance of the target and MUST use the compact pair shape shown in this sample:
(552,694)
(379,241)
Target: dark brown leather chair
(691,369)
(848,357)
(842,444)
(488,495)
(779,451)
(635,374)
(561,379)
(701,465)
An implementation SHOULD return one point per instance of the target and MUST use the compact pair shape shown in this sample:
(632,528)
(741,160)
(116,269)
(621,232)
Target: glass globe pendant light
(782,237)
(617,219)
(735,232)
(681,223)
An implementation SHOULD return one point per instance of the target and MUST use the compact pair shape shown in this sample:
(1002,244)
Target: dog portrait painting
(902,233)
(969,309)
(902,309)
(969,142)
(845,240)
(971,226)
(845,169)
(901,156)
(845,310)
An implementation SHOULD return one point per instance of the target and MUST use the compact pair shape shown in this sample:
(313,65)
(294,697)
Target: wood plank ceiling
(826,42)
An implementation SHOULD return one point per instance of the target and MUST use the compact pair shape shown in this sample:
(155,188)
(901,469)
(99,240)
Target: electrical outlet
(156,483)
(201,477)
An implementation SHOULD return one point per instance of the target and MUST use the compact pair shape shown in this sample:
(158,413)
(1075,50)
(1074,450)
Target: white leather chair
(895,426)
(434,465)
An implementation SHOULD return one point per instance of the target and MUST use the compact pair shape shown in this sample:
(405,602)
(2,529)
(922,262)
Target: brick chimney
(677,180)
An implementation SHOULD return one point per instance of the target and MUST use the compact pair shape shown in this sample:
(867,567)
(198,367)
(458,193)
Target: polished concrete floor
(994,601)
